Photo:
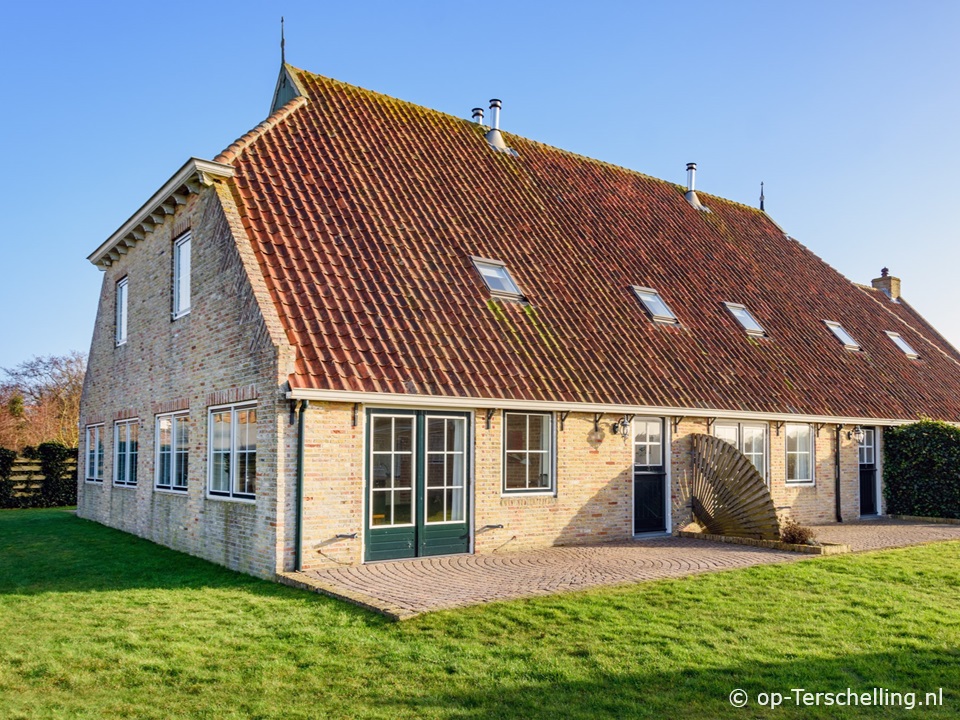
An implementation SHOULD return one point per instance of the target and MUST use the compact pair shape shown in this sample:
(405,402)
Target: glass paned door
(868,472)
(417,484)
(649,477)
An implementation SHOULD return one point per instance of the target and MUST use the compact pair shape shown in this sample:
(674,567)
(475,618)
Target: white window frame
(175,419)
(812,480)
(647,444)
(904,346)
(549,455)
(392,453)
(93,461)
(479,263)
(841,334)
(758,331)
(121,314)
(446,455)
(130,457)
(181,275)
(739,426)
(670,318)
(230,494)
(864,447)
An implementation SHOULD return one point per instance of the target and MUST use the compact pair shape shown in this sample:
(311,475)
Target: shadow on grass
(52,550)
(704,692)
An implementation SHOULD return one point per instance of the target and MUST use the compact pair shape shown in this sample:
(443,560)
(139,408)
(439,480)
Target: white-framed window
(121,314)
(181,276)
(842,335)
(746,319)
(126,441)
(647,442)
(446,457)
(800,454)
(903,345)
(868,447)
(94,453)
(747,437)
(527,452)
(393,461)
(655,306)
(173,451)
(233,452)
(497,277)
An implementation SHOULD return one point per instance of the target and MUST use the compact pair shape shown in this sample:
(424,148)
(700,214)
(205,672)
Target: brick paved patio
(405,588)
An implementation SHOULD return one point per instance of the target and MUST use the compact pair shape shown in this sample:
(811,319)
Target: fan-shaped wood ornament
(728,496)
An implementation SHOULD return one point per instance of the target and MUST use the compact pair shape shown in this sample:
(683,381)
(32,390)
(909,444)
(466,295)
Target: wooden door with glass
(418,479)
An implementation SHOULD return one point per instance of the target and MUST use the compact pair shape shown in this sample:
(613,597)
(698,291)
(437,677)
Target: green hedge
(921,469)
(6,487)
(58,487)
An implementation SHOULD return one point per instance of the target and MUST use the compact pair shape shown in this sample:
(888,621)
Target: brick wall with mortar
(229,347)
(593,500)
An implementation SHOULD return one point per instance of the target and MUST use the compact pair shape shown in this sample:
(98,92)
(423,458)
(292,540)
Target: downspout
(837,491)
(298,542)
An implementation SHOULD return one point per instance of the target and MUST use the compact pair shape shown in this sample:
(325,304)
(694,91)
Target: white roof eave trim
(442,401)
(189,178)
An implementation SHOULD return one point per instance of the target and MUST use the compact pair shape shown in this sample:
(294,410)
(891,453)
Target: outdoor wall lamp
(857,433)
(621,427)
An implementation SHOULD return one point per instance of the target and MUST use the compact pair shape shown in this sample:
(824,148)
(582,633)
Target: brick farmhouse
(368,330)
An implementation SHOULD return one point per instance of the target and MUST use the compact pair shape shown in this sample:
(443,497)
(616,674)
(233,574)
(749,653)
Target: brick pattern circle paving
(425,584)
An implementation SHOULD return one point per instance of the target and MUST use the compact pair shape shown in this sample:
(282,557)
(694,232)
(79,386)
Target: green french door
(418,471)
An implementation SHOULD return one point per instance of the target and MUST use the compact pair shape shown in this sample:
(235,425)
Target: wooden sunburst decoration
(727,494)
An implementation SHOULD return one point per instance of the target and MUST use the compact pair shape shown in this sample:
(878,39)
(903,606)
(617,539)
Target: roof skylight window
(903,345)
(497,278)
(842,335)
(656,308)
(744,317)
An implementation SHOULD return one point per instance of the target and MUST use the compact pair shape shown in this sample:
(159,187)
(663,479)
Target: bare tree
(41,400)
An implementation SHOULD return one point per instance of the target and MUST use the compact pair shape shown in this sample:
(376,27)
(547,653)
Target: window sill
(182,313)
(170,491)
(93,481)
(121,343)
(228,498)
(125,486)
(800,483)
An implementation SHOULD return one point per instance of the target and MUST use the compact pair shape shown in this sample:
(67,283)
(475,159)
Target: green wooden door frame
(420,537)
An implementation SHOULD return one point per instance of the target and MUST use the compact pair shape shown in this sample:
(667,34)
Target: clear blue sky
(847,110)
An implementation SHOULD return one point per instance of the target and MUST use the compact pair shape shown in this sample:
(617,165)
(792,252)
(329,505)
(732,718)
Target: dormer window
(903,345)
(748,321)
(656,308)
(842,335)
(497,278)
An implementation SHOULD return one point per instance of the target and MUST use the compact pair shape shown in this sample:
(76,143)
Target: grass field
(96,623)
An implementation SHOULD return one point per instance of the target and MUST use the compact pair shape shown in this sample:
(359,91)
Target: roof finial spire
(761,194)
(283,54)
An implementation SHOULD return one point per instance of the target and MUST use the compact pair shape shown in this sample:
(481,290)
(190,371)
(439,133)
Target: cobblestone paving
(408,587)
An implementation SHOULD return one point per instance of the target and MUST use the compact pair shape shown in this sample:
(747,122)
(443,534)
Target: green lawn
(96,623)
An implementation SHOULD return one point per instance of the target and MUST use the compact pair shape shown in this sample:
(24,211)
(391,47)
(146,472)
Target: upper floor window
(497,278)
(181,276)
(527,452)
(656,308)
(800,456)
(121,318)
(233,452)
(746,319)
(94,452)
(903,345)
(842,335)
(126,441)
(173,451)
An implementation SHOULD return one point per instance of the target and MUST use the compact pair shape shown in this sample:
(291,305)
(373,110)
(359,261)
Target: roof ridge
(532,141)
(236,148)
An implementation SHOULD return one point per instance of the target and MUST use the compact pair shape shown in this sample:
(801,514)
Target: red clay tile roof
(364,212)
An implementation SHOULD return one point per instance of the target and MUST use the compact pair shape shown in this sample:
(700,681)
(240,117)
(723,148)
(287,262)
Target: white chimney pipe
(495,106)
(691,177)
(478,115)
